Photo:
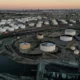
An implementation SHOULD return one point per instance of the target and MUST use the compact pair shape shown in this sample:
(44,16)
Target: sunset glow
(39,4)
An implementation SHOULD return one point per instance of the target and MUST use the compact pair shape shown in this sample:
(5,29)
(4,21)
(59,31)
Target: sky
(39,4)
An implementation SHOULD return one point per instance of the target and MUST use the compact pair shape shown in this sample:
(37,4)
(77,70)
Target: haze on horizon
(39,4)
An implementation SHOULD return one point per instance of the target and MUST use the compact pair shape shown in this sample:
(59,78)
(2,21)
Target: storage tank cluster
(11,28)
(75,50)
(64,21)
(9,22)
(68,36)
(4,21)
(18,23)
(21,20)
(27,19)
(73,21)
(47,47)
(5,29)
(18,26)
(54,22)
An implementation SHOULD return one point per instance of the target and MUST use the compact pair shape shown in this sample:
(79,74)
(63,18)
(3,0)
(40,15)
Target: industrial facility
(49,40)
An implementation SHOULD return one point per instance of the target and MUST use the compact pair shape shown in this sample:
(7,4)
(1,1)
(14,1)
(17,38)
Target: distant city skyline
(39,4)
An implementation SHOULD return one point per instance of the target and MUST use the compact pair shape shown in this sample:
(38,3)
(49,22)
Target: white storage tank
(46,22)
(12,24)
(70,25)
(31,24)
(71,32)
(22,26)
(39,17)
(54,22)
(38,25)
(24,47)
(2,23)
(6,27)
(3,20)
(15,27)
(76,52)
(11,29)
(66,38)
(47,47)
(72,48)
(2,30)
(64,21)
(8,22)
(40,21)
(73,21)
(40,36)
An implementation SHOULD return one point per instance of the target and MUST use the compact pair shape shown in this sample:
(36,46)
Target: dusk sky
(39,4)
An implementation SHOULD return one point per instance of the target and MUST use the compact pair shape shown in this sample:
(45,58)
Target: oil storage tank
(10,29)
(39,25)
(71,32)
(54,22)
(46,22)
(64,21)
(73,21)
(47,47)
(66,38)
(40,36)
(2,30)
(24,47)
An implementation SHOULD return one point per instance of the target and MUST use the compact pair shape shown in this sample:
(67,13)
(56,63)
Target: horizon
(43,9)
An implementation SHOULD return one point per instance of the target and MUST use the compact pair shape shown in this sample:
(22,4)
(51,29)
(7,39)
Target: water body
(11,67)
